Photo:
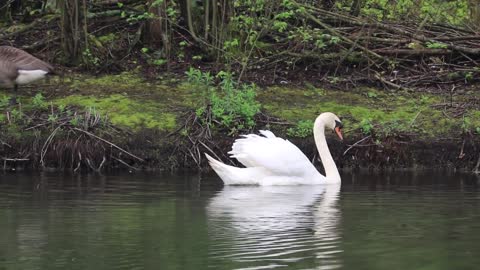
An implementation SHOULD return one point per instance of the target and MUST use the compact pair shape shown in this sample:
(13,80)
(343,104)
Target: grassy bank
(95,123)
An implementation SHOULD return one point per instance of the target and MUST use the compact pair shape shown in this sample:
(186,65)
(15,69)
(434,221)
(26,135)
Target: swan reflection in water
(260,227)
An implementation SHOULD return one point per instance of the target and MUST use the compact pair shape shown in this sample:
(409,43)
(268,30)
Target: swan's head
(332,122)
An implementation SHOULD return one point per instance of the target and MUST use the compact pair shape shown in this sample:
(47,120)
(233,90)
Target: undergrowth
(43,134)
(227,105)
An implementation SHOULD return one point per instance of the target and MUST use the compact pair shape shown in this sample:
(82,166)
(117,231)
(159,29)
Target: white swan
(270,160)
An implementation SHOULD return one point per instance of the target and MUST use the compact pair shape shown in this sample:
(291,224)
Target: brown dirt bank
(172,152)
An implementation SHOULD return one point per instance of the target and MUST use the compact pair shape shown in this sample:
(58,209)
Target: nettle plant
(230,104)
(455,12)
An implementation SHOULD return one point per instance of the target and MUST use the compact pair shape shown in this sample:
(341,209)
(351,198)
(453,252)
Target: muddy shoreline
(174,153)
(125,121)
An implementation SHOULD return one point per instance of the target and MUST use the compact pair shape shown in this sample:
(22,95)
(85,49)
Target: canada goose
(18,67)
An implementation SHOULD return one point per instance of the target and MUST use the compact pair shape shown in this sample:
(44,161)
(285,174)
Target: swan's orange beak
(338,130)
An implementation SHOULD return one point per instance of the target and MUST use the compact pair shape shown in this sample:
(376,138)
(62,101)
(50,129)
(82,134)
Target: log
(410,52)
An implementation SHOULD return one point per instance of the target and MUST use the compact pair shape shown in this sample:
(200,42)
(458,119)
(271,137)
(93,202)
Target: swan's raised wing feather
(277,155)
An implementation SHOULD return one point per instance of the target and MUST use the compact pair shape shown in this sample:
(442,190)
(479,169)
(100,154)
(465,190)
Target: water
(146,221)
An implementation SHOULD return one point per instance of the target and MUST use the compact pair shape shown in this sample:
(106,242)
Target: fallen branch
(412,52)
(349,41)
(29,27)
(383,80)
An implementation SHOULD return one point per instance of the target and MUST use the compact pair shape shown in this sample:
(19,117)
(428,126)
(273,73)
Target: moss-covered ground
(368,110)
(135,104)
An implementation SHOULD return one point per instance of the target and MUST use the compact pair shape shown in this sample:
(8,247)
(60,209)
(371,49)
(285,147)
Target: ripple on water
(130,222)
(273,227)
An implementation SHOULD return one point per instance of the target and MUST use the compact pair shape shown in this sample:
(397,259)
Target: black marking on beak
(338,124)
(338,129)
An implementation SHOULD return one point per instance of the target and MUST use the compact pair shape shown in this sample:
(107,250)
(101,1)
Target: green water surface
(153,221)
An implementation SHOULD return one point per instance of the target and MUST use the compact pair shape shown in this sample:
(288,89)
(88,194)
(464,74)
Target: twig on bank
(4,143)
(355,144)
(477,166)
(5,160)
(415,118)
(79,162)
(47,144)
(99,168)
(109,143)
(126,164)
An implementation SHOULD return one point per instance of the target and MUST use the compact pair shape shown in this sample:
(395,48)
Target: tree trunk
(153,33)
(158,32)
(183,12)
(191,29)
(74,32)
(356,7)
(6,11)
(206,7)
(475,13)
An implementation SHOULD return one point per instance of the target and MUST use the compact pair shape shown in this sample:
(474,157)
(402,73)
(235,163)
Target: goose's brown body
(14,62)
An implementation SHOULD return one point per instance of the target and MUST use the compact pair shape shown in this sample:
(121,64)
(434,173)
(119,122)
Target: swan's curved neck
(331,171)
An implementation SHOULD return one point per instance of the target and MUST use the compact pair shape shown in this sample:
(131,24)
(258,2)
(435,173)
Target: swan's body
(18,67)
(270,160)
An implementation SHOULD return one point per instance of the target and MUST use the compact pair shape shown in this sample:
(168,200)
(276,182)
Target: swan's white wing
(277,155)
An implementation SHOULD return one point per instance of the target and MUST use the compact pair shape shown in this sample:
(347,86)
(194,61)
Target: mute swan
(270,160)
(19,67)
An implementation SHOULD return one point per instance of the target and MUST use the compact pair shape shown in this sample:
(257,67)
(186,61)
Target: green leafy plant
(232,105)
(366,126)
(371,94)
(90,58)
(75,121)
(454,12)
(38,101)
(469,76)
(62,107)
(52,118)
(466,125)
(302,129)
(395,127)
(424,99)
(333,79)
(199,78)
(159,62)
(16,116)
(436,45)
(134,18)
(4,101)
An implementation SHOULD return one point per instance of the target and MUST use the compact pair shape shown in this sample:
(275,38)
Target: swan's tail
(232,175)
(224,171)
